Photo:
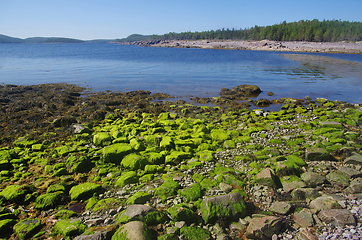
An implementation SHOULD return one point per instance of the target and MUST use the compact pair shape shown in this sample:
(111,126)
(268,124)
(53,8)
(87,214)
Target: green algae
(84,191)
(69,228)
(191,193)
(48,200)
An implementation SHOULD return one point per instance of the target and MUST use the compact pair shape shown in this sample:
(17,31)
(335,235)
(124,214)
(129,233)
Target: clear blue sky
(110,19)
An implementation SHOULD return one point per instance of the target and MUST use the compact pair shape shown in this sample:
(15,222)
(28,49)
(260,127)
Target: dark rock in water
(240,92)
(262,103)
(64,121)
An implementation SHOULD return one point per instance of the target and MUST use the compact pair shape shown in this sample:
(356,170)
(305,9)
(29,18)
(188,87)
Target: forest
(303,30)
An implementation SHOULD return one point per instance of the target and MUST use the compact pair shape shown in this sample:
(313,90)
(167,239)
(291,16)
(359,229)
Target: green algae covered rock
(167,189)
(194,233)
(126,178)
(102,139)
(80,164)
(134,161)
(176,157)
(65,214)
(156,157)
(230,206)
(139,198)
(181,212)
(48,200)
(27,227)
(132,230)
(84,191)
(205,155)
(105,204)
(153,169)
(115,152)
(219,135)
(69,228)
(15,193)
(191,193)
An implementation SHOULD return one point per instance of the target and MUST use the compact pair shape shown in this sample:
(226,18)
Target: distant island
(303,30)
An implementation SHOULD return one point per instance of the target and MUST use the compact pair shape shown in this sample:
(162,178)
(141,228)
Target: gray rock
(135,211)
(266,178)
(324,203)
(225,187)
(337,217)
(354,188)
(338,178)
(352,173)
(304,218)
(355,159)
(135,230)
(312,179)
(291,182)
(280,207)
(102,233)
(263,228)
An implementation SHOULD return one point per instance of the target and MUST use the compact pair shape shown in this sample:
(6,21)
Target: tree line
(303,30)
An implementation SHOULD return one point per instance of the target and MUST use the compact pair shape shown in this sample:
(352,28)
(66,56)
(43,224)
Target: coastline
(263,45)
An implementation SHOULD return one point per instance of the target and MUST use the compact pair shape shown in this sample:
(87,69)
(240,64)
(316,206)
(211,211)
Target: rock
(167,189)
(337,217)
(102,139)
(355,159)
(266,178)
(318,154)
(135,230)
(263,228)
(331,124)
(324,203)
(69,228)
(225,187)
(280,207)
(304,193)
(127,178)
(84,191)
(191,193)
(229,206)
(48,200)
(98,233)
(139,198)
(15,193)
(182,212)
(27,227)
(304,218)
(312,179)
(6,227)
(352,173)
(194,233)
(176,157)
(136,211)
(338,178)
(134,161)
(115,152)
(353,188)
(291,182)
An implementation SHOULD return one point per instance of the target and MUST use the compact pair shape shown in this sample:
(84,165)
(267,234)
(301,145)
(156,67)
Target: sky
(111,19)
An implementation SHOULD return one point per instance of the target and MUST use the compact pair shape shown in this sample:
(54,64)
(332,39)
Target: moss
(105,204)
(139,198)
(84,191)
(127,178)
(65,214)
(155,218)
(191,193)
(115,152)
(134,161)
(167,189)
(176,157)
(48,200)
(69,228)
(27,227)
(15,193)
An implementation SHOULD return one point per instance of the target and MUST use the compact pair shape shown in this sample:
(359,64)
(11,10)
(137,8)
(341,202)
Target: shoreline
(263,45)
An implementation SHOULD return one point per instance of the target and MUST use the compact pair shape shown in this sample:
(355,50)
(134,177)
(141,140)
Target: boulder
(337,217)
(355,159)
(304,218)
(134,161)
(229,206)
(318,154)
(27,227)
(182,212)
(134,212)
(134,230)
(266,178)
(312,179)
(324,203)
(263,228)
(84,191)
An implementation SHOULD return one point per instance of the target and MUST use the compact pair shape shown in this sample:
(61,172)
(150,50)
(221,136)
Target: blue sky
(110,19)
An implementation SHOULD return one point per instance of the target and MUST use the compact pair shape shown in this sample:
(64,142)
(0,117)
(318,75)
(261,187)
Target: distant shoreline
(263,45)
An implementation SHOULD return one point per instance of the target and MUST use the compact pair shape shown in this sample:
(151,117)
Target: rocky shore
(134,165)
(264,45)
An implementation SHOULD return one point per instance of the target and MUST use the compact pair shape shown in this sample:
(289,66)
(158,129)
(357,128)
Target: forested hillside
(304,30)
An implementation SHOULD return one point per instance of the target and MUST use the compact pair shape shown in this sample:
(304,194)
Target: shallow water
(183,72)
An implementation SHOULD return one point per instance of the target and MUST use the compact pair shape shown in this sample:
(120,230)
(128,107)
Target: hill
(134,38)
(7,39)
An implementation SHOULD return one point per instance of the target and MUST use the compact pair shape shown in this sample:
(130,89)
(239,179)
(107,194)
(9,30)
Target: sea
(184,72)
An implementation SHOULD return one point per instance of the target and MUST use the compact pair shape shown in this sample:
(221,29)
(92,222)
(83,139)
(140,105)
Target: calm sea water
(179,72)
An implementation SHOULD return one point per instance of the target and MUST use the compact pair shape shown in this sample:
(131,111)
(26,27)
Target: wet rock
(280,207)
(134,212)
(263,228)
(229,206)
(27,227)
(337,217)
(84,191)
(266,177)
(312,179)
(355,159)
(318,154)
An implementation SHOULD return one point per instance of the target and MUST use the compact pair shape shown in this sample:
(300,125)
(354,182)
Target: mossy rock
(15,193)
(167,143)
(136,144)
(27,227)
(194,233)
(65,214)
(24,142)
(181,212)
(205,155)
(167,189)
(115,152)
(102,139)
(155,157)
(139,198)
(219,135)
(106,204)
(134,161)
(228,144)
(79,164)
(84,191)
(191,193)
(176,157)
(153,169)
(38,147)
(6,227)
(126,178)
(48,200)
(69,228)
(156,217)
(64,150)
